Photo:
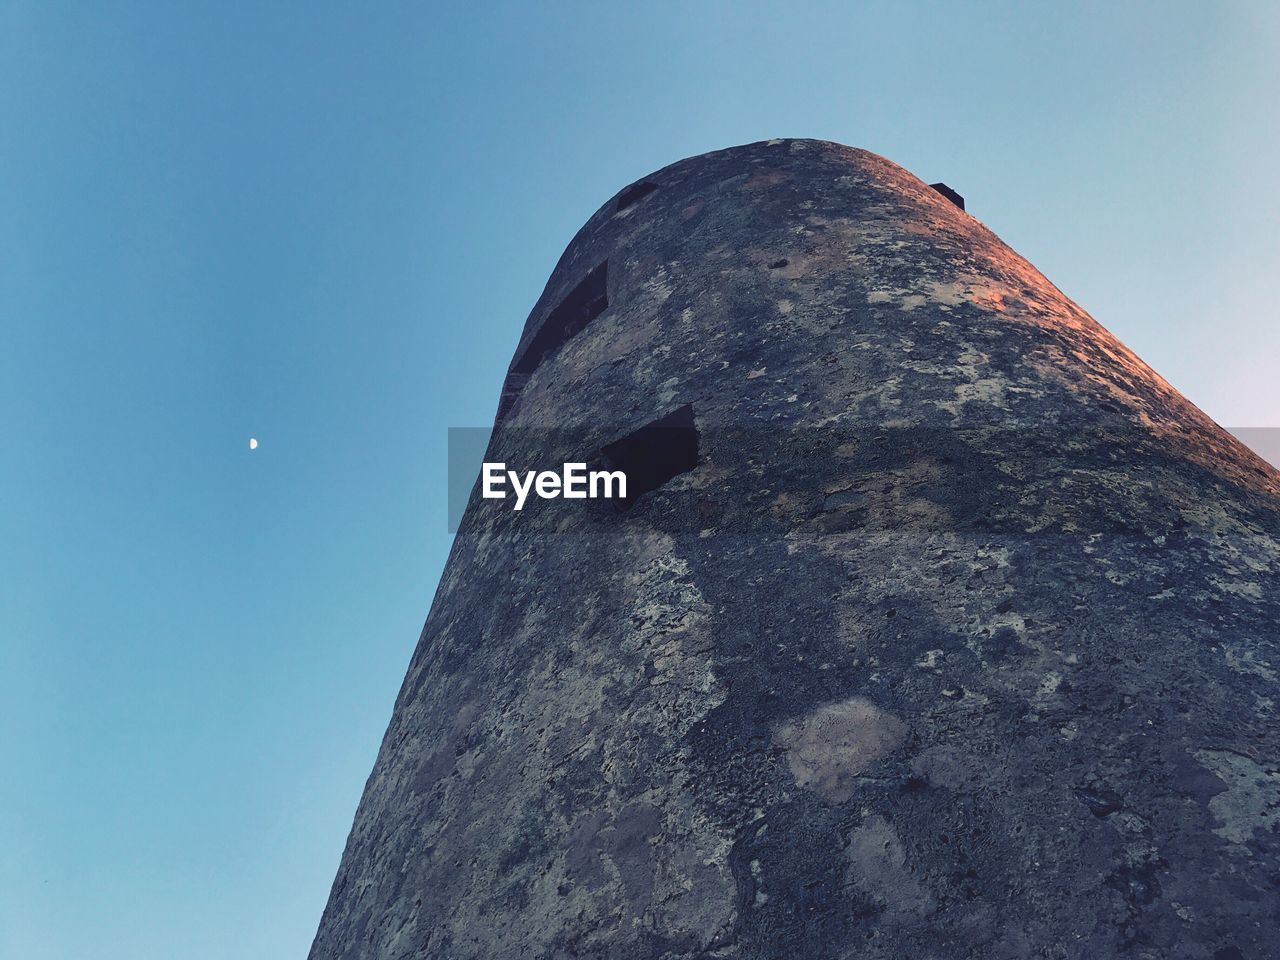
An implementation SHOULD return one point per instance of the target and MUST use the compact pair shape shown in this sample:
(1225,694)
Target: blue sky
(323,225)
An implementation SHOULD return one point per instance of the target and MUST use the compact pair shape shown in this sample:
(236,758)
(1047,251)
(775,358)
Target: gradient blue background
(323,225)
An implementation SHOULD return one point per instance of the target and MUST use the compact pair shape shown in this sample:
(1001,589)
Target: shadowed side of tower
(941,625)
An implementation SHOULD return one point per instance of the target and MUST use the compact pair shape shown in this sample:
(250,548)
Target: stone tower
(936,624)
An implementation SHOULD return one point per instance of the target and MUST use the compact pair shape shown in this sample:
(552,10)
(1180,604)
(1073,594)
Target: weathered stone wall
(959,641)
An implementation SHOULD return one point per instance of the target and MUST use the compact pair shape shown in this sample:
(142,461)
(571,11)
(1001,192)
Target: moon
(253,443)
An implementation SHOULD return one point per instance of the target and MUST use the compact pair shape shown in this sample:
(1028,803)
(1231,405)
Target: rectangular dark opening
(950,194)
(584,303)
(655,453)
(634,194)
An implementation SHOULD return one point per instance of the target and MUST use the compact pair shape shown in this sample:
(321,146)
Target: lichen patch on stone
(1251,802)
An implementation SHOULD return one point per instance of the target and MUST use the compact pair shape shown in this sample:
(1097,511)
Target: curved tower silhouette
(935,623)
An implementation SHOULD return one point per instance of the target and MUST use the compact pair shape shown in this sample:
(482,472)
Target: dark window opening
(634,194)
(950,194)
(584,303)
(656,453)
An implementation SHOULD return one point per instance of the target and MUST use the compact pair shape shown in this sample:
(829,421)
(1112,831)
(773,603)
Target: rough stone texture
(959,641)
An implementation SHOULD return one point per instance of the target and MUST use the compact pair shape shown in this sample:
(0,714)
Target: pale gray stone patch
(878,868)
(828,749)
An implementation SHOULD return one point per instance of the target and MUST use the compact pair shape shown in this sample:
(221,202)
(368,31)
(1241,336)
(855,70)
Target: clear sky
(322,225)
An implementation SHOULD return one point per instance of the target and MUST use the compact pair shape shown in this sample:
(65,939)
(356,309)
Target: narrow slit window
(584,303)
(634,194)
(656,453)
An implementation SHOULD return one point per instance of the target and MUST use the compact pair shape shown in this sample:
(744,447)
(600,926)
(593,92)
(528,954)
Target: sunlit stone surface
(946,629)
